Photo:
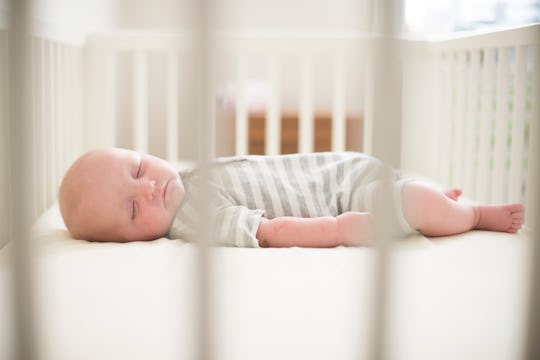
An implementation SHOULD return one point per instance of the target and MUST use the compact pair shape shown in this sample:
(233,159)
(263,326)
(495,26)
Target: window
(444,16)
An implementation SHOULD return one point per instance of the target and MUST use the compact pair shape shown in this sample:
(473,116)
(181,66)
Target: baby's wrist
(354,229)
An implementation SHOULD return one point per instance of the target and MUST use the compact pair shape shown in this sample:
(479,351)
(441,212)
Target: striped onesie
(243,189)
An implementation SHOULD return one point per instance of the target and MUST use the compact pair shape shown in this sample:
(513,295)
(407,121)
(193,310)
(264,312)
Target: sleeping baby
(306,200)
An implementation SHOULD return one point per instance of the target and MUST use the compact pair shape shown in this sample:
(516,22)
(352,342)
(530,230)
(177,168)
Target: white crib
(470,118)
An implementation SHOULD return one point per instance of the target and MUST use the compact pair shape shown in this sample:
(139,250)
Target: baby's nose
(148,189)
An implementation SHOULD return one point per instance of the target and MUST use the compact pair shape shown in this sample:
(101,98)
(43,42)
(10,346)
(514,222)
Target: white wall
(334,15)
(71,20)
(262,15)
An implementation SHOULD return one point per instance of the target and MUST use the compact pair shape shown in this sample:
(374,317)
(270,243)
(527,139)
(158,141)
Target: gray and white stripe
(302,185)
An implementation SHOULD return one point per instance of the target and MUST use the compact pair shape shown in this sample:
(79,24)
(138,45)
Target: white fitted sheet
(460,297)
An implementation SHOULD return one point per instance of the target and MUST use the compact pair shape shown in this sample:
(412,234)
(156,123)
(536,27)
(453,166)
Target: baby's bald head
(73,195)
(119,195)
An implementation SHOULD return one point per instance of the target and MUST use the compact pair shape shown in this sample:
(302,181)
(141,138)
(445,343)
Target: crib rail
(4,130)
(484,91)
(485,104)
(56,111)
(56,134)
(279,58)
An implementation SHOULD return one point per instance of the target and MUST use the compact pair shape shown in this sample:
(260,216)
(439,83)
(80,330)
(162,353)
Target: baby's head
(119,195)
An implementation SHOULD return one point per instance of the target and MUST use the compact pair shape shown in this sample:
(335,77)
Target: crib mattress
(459,297)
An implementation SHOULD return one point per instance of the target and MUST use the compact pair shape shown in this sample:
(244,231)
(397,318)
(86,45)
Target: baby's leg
(436,213)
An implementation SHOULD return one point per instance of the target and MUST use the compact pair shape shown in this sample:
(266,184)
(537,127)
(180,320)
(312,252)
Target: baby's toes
(516,210)
(516,226)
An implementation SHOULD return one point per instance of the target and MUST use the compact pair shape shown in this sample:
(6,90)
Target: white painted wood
(501,118)
(67,120)
(59,118)
(22,260)
(34,114)
(523,35)
(109,90)
(51,123)
(338,104)
(532,347)
(68,123)
(470,126)
(241,108)
(273,111)
(459,121)
(145,41)
(533,174)
(210,101)
(79,102)
(367,141)
(41,126)
(4,134)
(140,102)
(173,59)
(518,125)
(485,127)
(74,98)
(306,125)
(445,116)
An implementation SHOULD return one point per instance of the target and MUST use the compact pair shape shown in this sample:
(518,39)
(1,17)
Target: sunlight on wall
(443,16)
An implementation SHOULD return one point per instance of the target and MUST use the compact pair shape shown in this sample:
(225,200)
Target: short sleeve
(229,225)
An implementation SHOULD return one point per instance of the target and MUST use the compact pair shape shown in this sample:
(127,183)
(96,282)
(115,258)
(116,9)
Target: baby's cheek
(155,224)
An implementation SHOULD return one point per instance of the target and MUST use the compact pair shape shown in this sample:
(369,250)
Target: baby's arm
(351,229)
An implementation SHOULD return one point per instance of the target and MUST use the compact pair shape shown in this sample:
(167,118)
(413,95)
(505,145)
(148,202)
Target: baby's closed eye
(140,170)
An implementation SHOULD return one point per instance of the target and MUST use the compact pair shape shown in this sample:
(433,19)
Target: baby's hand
(355,229)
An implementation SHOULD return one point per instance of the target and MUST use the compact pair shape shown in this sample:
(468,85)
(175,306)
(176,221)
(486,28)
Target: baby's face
(130,196)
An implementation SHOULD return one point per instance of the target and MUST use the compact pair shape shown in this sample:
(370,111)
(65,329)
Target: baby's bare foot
(504,218)
(453,193)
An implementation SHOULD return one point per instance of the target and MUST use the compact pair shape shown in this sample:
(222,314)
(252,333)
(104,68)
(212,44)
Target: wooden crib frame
(452,96)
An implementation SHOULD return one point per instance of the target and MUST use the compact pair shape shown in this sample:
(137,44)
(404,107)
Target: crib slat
(241,109)
(367,140)
(4,130)
(59,119)
(51,146)
(72,97)
(471,122)
(458,120)
(486,113)
(501,118)
(50,124)
(533,174)
(25,297)
(78,103)
(305,133)
(41,128)
(110,95)
(273,112)
(65,125)
(69,120)
(518,125)
(445,117)
(55,121)
(140,102)
(172,106)
(338,105)
(34,114)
